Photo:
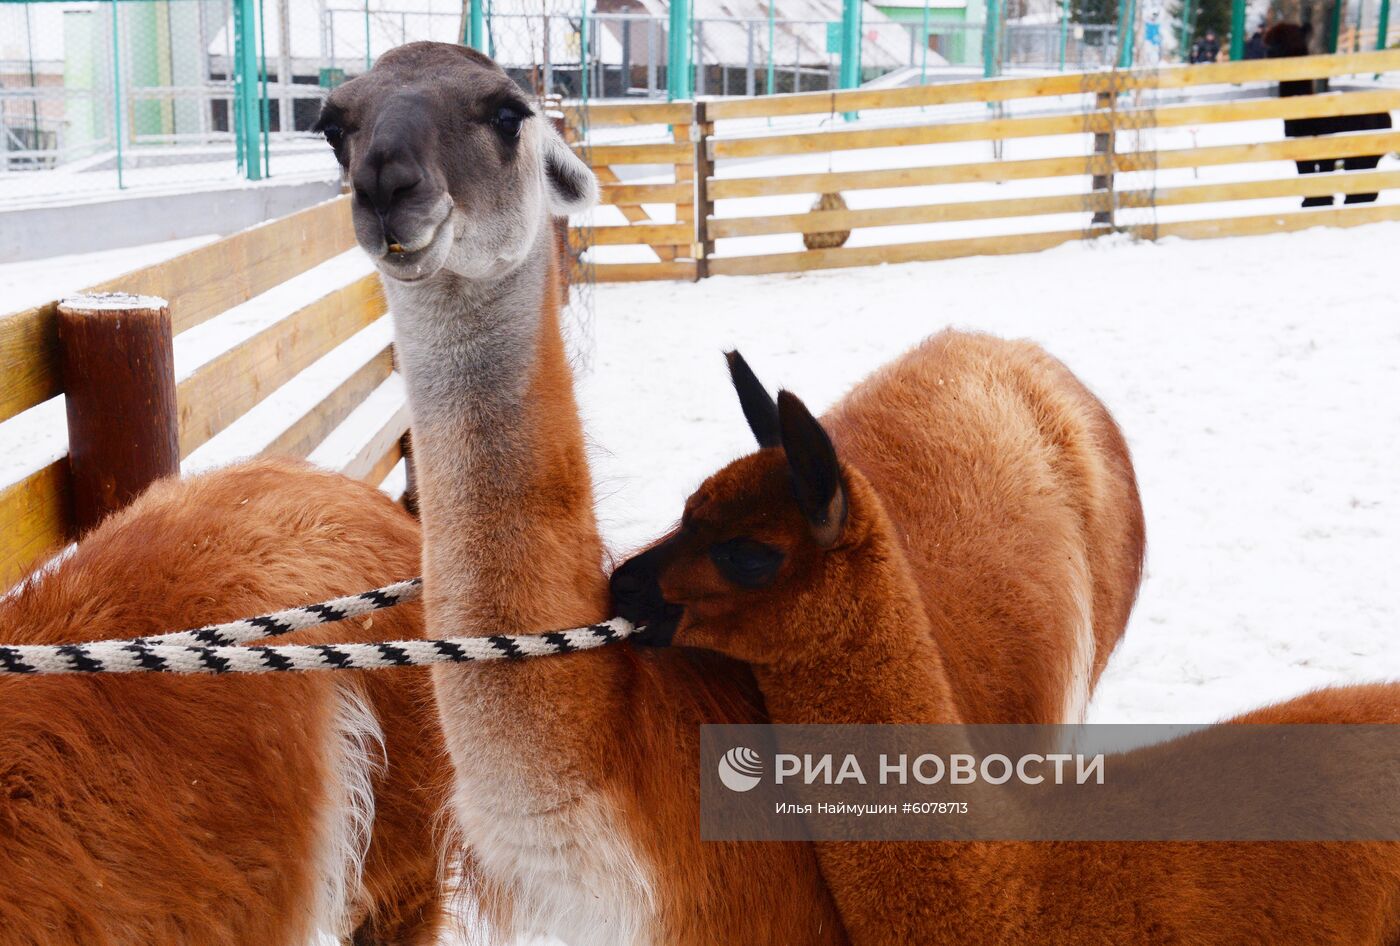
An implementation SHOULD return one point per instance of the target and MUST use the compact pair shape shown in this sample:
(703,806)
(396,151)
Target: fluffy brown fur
(1013,496)
(155,811)
(838,631)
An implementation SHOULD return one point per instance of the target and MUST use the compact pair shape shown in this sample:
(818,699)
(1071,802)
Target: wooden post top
(101,302)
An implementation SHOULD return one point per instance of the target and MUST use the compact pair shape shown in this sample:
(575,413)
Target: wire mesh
(97,96)
(101,95)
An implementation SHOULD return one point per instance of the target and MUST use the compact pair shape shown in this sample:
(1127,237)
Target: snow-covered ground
(1257,380)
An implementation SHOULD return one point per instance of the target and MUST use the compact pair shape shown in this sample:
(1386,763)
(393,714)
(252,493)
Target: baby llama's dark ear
(571,184)
(759,409)
(816,473)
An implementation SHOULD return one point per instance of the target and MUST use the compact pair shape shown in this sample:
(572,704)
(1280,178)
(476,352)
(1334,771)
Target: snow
(1257,380)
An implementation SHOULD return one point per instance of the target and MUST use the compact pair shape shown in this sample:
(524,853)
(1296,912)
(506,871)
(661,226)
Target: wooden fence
(685,217)
(1102,116)
(667,247)
(37,513)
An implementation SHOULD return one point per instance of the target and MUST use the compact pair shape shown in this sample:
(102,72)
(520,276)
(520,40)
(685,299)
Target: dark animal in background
(1290,39)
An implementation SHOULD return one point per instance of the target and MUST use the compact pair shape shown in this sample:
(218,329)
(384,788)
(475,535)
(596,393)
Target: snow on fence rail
(37,514)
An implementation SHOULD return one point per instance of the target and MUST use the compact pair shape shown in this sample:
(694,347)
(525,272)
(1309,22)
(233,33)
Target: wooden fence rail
(665,249)
(1096,132)
(50,507)
(1108,110)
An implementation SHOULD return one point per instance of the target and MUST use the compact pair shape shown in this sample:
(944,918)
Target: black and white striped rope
(277,623)
(215,649)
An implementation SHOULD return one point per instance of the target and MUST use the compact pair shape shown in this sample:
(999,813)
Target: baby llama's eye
(747,563)
(508,121)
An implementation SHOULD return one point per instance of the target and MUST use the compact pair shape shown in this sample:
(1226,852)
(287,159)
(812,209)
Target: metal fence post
(700,57)
(991,40)
(749,83)
(653,52)
(1127,31)
(1064,32)
(1334,26)
(850,43)
(583,50)
(1383,24)
(678,67)
(245,89)
(772,53)
(265,102)
(118,361)
(1237,29)
(923,54)
(476,25)
(118,132)
(1188,28)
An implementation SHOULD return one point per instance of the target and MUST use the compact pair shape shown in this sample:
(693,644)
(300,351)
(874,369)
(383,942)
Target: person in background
(1207,48)
(1256,48)
(1291,39)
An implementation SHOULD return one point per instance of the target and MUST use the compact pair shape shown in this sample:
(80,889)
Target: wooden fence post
(1105,144)
(704,206)
(118,362)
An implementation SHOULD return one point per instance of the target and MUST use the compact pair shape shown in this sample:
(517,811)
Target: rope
(215,649)
(247,630)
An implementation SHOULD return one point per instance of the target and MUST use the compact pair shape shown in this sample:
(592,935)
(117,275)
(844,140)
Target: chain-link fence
(98,95)
(95,96)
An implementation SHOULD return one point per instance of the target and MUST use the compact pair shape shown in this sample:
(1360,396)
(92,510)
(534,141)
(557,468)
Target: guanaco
(241,811)
(788,561)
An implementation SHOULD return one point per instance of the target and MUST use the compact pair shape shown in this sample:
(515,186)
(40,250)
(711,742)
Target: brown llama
(836,631)
(967,437)
(184,811)
(576,781)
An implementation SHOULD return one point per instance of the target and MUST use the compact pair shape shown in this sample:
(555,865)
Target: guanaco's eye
(746,563)
(508,121)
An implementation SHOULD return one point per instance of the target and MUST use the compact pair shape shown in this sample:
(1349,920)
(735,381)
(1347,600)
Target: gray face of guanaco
(751,536)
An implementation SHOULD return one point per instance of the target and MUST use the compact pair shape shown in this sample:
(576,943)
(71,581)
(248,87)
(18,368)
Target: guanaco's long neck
(511,546)
(510,540)
(871,660)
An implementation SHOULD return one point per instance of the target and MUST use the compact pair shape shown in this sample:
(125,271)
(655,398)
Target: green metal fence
(108,94)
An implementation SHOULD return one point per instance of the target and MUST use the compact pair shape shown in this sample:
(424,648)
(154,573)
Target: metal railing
(105,95)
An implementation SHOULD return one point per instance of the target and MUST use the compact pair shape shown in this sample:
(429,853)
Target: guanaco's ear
(816,473)
(759,408)
(571,184)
